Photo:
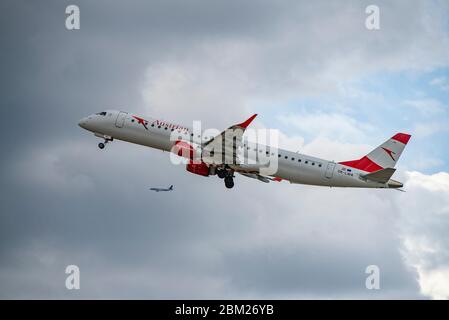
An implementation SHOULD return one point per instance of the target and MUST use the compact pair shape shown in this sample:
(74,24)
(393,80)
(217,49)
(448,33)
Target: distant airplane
(162,189)
(373,170)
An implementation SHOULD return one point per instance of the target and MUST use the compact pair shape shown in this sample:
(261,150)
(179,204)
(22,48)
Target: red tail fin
(384,156)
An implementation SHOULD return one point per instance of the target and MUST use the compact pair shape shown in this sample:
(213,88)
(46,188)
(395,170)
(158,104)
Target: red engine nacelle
(198,168)
(183,149)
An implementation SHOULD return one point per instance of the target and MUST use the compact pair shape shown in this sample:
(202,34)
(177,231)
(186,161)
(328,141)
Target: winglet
(245,124)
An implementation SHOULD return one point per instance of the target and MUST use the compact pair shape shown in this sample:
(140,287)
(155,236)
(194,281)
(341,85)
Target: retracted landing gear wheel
(101,145)
(229,182)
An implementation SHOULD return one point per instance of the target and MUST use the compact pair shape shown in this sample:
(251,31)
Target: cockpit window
(102,113)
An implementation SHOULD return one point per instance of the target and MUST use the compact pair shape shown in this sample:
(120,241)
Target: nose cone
(82,123)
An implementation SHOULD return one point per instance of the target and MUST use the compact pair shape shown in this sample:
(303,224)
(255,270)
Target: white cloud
(306,52)
(435,282)
(190,91)
(323,147)
(436,182)
(422,162)
(336,150)
(427,129)
(427,107)
(440,82)
(330,125)
(424,227)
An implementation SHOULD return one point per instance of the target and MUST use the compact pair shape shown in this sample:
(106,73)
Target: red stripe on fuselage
(365,164)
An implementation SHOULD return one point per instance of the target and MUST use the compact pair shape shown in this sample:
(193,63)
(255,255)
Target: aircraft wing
(223,148)
(259,177)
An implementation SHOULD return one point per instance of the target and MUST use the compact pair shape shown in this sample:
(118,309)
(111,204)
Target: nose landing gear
(101,145)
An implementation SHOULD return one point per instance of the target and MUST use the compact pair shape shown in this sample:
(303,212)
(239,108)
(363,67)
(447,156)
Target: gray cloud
(64,202)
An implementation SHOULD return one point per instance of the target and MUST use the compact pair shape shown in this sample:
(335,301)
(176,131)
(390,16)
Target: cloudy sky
(311,69)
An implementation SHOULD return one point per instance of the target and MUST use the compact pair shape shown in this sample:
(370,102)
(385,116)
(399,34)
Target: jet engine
(198,168)
(183,149)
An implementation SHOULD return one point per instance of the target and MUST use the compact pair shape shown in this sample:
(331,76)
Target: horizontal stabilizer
(381,176)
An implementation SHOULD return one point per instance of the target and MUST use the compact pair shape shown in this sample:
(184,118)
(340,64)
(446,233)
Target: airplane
(162,189)
(373,170)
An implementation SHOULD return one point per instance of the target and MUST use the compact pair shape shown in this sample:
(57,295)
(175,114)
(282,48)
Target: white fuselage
(154,133)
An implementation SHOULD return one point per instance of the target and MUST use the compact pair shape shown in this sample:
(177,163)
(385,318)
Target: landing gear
(229,182)
(227,174)
(221,173)
(101,145)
